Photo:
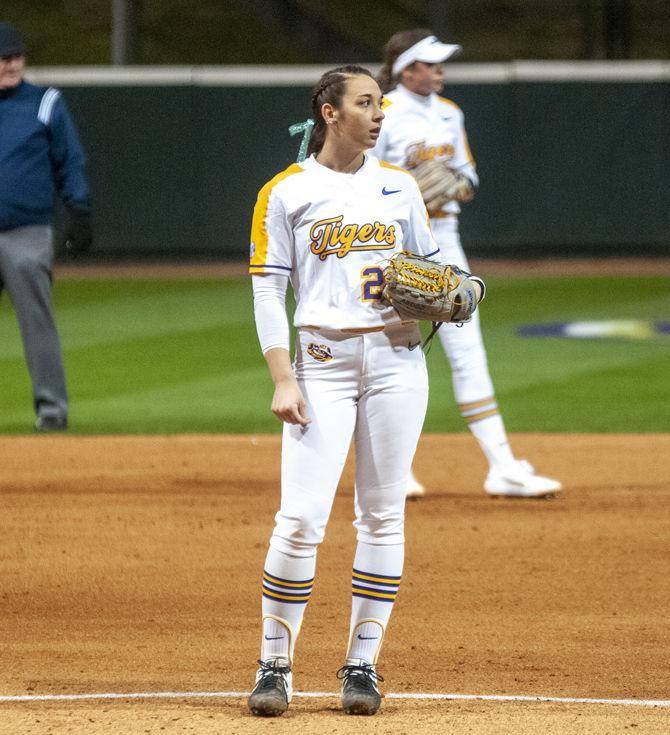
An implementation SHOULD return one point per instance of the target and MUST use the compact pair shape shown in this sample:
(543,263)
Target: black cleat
(360,695)
(51,423)
(273,689)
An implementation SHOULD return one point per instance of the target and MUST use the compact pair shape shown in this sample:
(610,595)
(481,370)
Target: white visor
(429,50)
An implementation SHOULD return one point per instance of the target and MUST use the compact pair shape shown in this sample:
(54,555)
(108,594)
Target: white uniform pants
(372,387)
(463,345)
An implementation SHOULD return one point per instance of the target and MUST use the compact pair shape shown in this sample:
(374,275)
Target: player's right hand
(288,403)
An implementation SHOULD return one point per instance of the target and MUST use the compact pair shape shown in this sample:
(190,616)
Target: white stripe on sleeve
(47,105)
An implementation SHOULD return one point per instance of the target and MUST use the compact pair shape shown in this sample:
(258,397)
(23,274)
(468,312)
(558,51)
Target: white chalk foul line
(399,695)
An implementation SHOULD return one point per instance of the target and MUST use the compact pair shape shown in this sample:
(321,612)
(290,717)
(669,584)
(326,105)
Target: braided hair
(330,89)
(398,43)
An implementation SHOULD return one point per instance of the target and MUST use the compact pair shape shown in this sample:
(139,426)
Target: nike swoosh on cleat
(273,638)
(366,637)
(411,346)
(392,191)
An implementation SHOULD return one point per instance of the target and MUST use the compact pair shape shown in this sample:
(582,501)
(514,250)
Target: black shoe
(360,695)
(273,689)
(51,423)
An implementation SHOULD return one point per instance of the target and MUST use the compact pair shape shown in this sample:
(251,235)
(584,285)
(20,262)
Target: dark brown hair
(330,89)
(398,43)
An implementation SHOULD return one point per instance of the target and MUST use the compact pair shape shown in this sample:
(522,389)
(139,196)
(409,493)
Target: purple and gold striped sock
(375,580)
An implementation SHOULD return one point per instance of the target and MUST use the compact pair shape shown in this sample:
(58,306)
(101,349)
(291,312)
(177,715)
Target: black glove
(78,231)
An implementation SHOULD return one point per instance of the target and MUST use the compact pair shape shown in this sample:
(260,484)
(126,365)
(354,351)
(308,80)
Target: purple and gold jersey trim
(466,143)
(386,164)
(447,101)
(260,268)
(259,232)
(295,592)
(465,136)
(371,586)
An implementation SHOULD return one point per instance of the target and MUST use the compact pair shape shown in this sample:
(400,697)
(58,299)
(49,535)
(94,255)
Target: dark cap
(10,41)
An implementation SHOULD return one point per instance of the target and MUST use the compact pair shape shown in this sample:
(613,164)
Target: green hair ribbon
(305,128)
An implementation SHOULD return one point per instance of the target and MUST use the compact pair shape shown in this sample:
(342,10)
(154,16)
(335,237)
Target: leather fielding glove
(420,288)
(440,184)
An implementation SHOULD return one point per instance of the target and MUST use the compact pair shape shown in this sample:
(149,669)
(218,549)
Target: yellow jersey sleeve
(271,248)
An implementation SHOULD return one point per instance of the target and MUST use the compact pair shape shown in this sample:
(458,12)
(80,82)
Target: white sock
(366,640)
(486,424)
(277,637)
(287,585)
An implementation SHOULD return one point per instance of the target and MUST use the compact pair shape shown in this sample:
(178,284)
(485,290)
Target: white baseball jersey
(330,231)
(418,128)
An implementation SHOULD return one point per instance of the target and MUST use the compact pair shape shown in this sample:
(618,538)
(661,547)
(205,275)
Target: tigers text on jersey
(330,231)
(418,128)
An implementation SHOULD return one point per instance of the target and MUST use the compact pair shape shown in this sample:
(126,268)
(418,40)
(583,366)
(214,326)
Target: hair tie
(305,128)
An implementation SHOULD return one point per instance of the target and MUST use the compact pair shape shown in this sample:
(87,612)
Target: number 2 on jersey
(373,283)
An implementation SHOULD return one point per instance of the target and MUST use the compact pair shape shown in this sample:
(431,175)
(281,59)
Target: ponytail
(385,78)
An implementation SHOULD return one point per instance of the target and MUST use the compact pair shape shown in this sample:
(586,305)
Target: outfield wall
(573,157)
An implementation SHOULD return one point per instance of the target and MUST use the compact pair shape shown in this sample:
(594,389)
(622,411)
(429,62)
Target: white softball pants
(463,345)
(374,388)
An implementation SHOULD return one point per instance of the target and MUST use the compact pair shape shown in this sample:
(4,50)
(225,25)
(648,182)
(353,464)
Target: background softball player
(420,126)
(326,224)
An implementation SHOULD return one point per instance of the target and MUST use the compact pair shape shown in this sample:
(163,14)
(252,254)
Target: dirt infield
(132,565)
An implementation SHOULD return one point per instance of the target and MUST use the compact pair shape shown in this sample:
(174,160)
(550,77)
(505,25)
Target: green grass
(182,356)
(553,384)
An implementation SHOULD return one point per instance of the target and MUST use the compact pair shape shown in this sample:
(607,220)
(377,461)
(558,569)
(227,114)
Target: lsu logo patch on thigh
(321,353)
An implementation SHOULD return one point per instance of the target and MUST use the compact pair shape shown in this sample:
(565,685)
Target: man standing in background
(41,157)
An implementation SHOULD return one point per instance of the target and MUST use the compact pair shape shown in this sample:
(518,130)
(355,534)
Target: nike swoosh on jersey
(366,637)
(392,191)
(273,638)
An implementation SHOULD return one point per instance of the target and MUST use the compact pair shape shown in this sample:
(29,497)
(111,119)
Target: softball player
(422,126)
(326,225)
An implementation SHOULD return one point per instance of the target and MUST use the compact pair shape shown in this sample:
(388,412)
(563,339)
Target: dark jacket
(40,157)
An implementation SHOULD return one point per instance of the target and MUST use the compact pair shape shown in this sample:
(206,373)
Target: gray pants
(26,261)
